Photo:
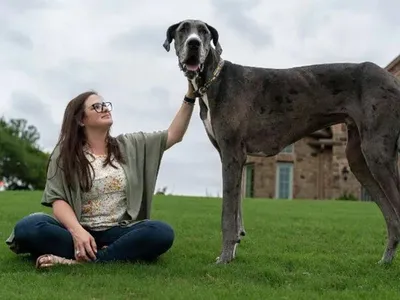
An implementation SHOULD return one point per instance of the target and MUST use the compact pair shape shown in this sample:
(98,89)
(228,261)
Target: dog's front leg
(231,223)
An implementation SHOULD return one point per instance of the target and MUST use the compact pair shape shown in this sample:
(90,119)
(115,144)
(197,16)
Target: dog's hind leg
(233,159)
(373,162)
(361,171)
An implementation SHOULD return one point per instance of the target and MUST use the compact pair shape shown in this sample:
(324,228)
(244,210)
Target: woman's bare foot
(49,260)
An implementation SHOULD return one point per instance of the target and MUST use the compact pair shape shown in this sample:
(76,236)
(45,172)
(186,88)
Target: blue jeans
(147,240)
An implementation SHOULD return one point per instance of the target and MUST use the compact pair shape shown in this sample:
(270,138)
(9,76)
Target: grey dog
(258,111)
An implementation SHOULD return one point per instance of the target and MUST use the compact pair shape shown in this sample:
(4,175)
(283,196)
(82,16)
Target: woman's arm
(180,123)
(83,240)
(64,214)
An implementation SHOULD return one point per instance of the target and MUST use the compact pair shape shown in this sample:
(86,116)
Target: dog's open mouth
(192,64)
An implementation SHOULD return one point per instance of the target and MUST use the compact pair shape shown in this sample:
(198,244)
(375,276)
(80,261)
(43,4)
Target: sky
(52,50)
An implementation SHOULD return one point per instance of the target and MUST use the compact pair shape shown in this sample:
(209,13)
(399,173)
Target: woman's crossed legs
(51,243)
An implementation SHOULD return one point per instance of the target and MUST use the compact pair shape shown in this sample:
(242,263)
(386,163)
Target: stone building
(314,167)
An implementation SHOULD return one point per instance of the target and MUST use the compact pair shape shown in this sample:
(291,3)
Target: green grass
(293,250)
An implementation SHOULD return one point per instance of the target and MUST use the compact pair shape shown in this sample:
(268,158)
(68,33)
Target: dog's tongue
(192,67)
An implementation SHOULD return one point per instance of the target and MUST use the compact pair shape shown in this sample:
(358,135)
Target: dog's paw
(387,258)
(227,255)
(220,260)
(384,262)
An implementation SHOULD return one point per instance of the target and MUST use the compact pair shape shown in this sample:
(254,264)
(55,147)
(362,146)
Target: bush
(348,197)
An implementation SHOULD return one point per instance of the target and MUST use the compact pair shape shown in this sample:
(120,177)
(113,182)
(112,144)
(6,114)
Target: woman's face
(97,113)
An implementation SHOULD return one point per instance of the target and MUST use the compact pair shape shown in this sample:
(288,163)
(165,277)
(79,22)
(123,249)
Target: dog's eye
(203,31)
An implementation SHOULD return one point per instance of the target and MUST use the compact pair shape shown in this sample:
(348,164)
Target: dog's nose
(194,43)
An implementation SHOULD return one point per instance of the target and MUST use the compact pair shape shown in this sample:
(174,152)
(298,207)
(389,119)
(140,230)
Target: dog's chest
(207,120)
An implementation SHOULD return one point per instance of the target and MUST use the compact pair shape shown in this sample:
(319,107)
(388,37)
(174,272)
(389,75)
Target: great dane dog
(258,111)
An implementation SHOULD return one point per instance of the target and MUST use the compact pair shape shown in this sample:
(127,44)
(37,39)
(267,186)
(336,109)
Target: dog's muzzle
(191,64)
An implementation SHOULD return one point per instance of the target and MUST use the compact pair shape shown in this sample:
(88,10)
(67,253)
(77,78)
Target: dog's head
(192,44)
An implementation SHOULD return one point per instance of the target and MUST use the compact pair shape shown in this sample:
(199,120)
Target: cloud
(139,40)
(30,107)
(17,39)
(54,50)
(236,15)
(22,6)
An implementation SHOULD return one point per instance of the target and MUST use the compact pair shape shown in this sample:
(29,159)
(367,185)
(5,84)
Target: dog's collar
(202,90)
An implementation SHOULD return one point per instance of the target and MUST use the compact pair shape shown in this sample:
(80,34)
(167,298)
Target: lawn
(293,250)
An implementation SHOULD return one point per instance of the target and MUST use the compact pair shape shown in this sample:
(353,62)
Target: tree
(21,160)
(20,129)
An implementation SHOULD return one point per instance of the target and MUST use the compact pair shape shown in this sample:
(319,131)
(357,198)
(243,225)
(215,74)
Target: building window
(249,181)
(284,180)
(288,149)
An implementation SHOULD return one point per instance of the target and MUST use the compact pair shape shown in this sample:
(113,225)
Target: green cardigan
(142,152)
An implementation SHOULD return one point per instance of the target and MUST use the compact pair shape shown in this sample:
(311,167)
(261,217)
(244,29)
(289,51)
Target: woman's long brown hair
(72,140)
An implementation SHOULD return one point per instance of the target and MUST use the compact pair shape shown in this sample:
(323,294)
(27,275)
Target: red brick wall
(264,176)
(305,179)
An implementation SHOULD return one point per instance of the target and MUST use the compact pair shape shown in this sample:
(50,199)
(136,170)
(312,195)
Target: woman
(100,189)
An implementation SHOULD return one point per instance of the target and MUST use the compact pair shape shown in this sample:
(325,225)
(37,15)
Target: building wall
(394,67)
(264,177)
(396,70)
(309,162)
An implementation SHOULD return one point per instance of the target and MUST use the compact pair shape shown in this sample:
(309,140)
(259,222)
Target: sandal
(49,260)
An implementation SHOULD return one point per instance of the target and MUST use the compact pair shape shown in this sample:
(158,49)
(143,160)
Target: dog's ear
(170,36)
(215,38)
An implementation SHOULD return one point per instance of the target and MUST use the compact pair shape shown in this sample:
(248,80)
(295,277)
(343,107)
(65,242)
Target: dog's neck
(211,65)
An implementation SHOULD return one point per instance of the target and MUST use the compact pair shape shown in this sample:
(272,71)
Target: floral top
(105,204)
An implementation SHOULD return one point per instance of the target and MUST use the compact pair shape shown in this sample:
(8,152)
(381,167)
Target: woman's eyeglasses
(99,107)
